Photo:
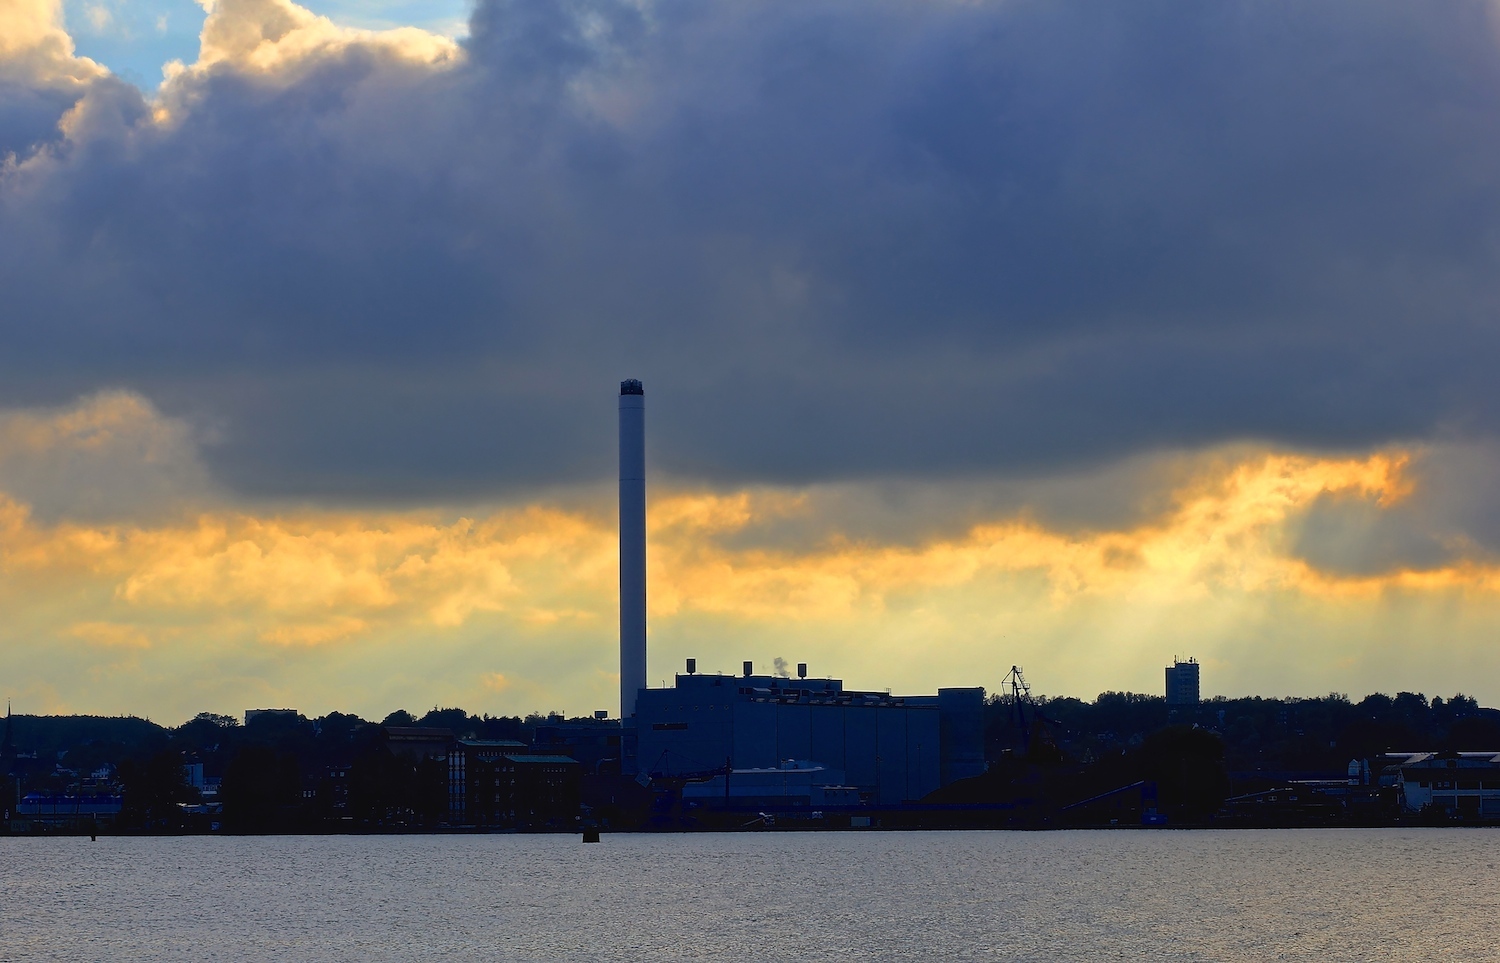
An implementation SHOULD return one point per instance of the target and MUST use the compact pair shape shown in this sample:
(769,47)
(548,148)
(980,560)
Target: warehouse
(892,749)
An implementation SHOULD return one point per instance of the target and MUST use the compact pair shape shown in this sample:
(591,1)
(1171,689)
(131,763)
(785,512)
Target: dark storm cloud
(837,239)
(28,117)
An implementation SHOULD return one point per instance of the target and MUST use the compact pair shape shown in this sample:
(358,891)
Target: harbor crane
(1028,718)
(1020,699)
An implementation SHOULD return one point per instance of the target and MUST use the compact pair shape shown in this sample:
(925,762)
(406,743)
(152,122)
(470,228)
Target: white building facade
(1461,783)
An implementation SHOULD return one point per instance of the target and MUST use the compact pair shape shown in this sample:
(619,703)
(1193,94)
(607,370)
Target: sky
(1048,333)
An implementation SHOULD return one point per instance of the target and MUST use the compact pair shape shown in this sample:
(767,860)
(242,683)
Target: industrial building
(1458,783)
(1182,683)
(520,790)
(882,749)
(494,782)
(758,739)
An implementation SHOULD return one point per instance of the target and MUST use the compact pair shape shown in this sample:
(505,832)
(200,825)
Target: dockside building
(1459,783)
(870,748)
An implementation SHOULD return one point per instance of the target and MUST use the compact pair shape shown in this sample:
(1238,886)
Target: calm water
(1223,896)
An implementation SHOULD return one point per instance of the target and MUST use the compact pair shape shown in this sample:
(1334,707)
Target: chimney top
(631,386)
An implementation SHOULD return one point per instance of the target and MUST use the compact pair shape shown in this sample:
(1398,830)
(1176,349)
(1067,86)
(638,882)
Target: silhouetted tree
(1364,738)
(501,727)
(1187,764)
(339,727)
(1475,732)
(213,738)
(1448,713)
(457,720)
(386,789)
(378,788)
(261,791)
(152,788)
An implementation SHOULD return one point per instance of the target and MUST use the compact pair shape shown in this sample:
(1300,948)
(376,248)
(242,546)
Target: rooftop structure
(418,742)
(273,713)
(7,745)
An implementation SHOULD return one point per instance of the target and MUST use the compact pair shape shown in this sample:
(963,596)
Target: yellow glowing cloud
(315,633)
(110,634)
(275,35)
(36,49)
(324,577)
(1226,531)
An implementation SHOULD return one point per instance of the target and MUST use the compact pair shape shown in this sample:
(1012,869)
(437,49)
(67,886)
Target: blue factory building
(865,748)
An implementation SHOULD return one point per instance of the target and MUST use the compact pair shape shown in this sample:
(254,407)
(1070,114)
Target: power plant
(757,750)
(768,740)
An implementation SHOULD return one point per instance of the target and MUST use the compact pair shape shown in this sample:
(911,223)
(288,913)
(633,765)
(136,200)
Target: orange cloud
(315,633)
(317,577)
(1224,531)
(110,635)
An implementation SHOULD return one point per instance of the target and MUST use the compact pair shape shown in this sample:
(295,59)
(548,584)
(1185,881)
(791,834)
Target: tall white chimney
(632,544)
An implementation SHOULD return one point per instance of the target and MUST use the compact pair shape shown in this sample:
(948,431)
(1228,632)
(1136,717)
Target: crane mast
(1020,698)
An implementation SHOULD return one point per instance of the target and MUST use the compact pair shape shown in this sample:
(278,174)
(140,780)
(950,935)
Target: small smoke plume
(781,668)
